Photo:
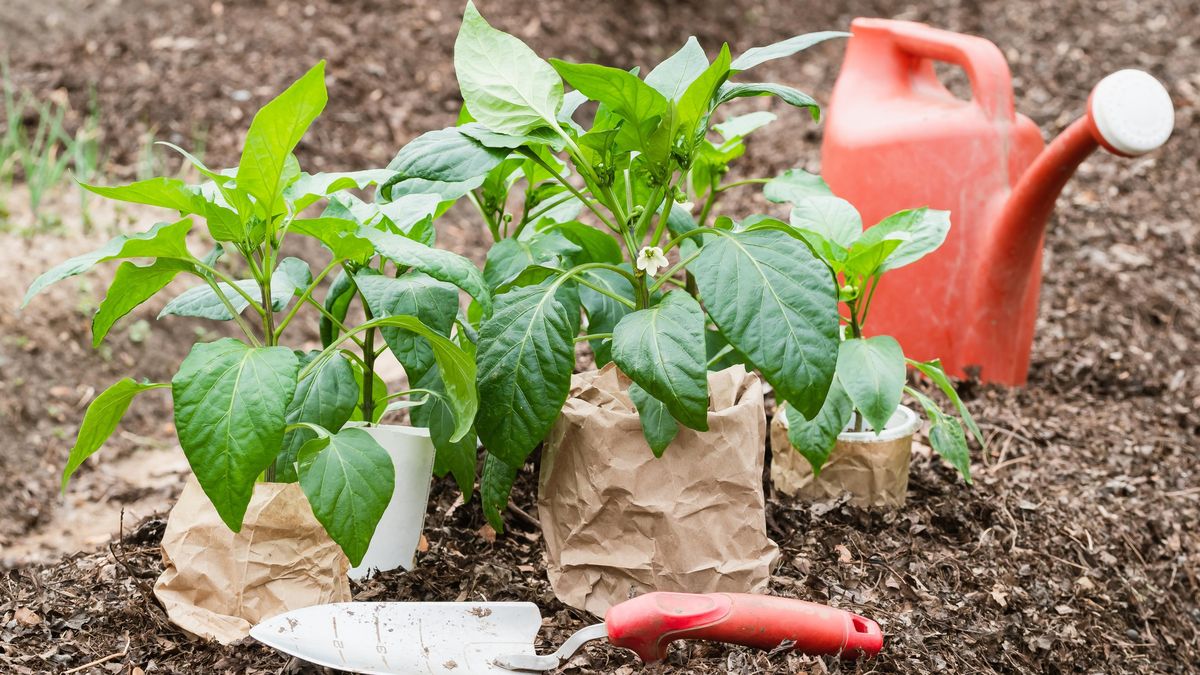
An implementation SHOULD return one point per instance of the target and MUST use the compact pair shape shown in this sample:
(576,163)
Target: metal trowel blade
(404,638)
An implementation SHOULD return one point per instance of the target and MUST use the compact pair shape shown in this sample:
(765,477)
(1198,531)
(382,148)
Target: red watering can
(897,138)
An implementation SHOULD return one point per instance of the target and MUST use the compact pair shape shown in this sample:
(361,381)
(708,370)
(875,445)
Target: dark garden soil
(1078,549)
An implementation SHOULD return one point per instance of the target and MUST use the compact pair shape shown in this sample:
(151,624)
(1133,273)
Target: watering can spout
(1129,114)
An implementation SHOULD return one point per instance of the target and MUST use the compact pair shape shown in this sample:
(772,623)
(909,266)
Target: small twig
(115,655)
(1005,464)
(524,517)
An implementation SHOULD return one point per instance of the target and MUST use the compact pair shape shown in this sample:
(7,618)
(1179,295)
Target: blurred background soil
(1078,549)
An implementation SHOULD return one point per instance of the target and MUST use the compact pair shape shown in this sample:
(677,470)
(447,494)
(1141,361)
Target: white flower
(650,259)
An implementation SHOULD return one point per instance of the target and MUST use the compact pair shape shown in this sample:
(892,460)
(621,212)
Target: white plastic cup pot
(399,531)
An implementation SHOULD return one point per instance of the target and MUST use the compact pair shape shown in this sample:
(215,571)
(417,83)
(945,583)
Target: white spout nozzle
(1132,111)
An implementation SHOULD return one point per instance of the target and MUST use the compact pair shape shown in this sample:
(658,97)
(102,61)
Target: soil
(1077,550)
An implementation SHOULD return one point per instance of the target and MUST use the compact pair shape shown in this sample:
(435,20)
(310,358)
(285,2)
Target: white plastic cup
(399,531)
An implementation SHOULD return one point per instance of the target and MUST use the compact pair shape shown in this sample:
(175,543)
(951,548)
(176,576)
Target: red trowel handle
(648,623)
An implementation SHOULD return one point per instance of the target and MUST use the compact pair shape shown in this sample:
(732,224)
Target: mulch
(1078,548)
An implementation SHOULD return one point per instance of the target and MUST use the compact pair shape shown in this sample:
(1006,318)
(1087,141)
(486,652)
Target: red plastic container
(896,138)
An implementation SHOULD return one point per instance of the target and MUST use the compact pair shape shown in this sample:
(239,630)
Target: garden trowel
(481,638)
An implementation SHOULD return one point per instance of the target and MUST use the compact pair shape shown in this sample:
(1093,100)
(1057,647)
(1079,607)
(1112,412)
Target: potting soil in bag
(619,522)
(217,583)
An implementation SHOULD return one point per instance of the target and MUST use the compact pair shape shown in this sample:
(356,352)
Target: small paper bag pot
(217,584)
(872,469)
(618,521)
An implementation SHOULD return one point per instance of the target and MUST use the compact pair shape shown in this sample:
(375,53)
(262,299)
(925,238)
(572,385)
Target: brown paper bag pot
(218,583)
(617,521)
(872,469)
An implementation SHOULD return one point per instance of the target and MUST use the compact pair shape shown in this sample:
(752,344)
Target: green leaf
(337,303)
(164,240)
(172,193)
(274,133)
(526,355)
(603,312)
(658,426)
(327,398)
(871,371)
(349,479)
(789,95)
(504,83)
(441,265)
(925,230)
(495,488)
(507,258)
(399,186)
(816,439)
(308,189)
(697,102)
(202,302)
(758,55)
(933,370)
(741,126)
(230,412)
(132,286)
(662,350)
(867,258)
(833,218)
(777,305)
(594,244)
(946,436)
(795,185)
(455,365)
(621,92)
(496,140)
(672,77)
(447,155)
(948,440)
(292,273)
(434,302)
(100,421)
(457,457)
(408,215)
(339,235)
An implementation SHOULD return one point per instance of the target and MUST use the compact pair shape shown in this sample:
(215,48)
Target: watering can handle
(986,68)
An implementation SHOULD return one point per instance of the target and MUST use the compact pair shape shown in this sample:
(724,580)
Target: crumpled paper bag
(619,522)
(873,473)
(218,584)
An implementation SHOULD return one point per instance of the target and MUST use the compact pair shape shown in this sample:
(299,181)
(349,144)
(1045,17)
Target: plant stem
(719,355)
(233,312)
(593,336)
(739,183)
(709,200)
(664,215)
(368,383)
(862,317)
(567,184)
(541,210)
(604,291)
(487,218)
(410,392)
(673,271)
(304,297)
(336,321)
(699,231)
(225,278)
